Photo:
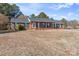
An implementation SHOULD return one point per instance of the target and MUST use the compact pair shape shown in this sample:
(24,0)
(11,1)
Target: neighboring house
(36,23)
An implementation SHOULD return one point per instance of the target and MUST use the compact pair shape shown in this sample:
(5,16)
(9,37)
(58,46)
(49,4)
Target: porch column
(38,24)
(61,25)
(54,25)
(24,25)
(46,24)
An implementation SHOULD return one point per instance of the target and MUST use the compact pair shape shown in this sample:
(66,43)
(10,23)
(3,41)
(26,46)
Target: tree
(74,24)
(64,21)
(3,22)
(42,15)
(10,10)
(51,18)
(32,16)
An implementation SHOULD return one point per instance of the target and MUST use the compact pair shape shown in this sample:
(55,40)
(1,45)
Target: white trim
(29,20)
(33,25)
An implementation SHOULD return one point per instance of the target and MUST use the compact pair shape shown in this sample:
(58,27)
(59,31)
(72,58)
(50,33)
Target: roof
(41,19)
(22,17)
(45,20)
(16,20)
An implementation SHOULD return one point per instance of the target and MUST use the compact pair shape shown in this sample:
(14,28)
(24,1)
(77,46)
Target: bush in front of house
(21,27)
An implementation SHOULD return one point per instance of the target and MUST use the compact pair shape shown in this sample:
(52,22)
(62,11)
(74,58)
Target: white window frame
(33,25)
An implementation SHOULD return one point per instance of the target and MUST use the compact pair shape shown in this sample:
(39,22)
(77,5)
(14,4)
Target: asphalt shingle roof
(45,20)
(41,19)
(35,19)
(19,20)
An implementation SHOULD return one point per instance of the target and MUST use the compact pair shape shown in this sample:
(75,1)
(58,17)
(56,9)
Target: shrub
(21,27)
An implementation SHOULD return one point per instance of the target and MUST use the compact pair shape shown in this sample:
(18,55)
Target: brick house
(36,23)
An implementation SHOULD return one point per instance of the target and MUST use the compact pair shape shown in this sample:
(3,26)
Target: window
(33,25)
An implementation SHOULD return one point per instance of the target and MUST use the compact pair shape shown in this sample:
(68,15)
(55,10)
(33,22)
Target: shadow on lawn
(8,31)
(5,31)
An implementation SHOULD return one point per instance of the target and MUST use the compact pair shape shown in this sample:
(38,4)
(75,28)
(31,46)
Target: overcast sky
(69,11)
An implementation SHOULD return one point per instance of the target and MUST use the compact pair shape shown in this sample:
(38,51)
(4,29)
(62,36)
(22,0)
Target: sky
(69,11)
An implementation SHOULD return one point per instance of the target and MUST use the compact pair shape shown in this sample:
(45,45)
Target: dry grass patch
(40,42)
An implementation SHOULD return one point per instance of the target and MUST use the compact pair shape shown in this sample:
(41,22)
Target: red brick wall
(30,27)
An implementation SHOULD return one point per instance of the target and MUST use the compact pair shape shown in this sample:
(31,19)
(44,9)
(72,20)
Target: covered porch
(45,25)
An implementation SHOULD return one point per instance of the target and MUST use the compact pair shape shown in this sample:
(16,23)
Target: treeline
(72,24)
(41,15)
